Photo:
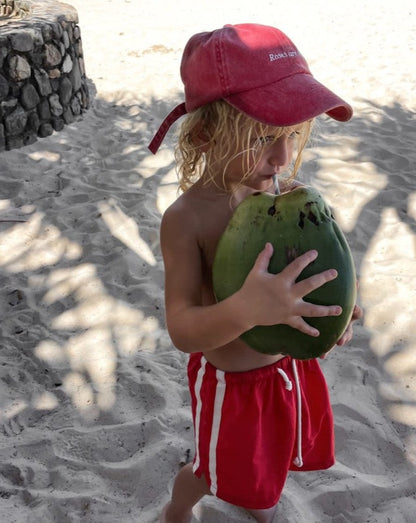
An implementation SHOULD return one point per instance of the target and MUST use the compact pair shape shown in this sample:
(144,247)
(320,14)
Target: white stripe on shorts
(216,421)
(198,385)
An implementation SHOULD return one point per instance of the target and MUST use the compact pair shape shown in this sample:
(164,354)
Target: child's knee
(263,515)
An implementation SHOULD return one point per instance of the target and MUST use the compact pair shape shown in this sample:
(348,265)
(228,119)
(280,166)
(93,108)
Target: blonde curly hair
(217,132)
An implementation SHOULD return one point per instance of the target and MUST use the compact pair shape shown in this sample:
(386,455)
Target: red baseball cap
(258,70)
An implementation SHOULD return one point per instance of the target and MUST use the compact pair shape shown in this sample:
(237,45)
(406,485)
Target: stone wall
(42,76)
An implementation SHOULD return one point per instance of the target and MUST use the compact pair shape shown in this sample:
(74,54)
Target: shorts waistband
(249,375)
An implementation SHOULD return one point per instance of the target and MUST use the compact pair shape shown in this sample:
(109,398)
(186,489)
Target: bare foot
(164,516)
(265,515)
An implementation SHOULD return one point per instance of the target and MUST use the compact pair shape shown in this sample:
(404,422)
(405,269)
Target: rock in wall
(43,85)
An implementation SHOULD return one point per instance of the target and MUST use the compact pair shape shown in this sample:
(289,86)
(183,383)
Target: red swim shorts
(252,427)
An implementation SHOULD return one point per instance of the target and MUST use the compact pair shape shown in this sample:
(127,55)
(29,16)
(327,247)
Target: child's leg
(188,489)
(264,515)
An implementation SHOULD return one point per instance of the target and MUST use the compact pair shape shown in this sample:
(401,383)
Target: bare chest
(210,232)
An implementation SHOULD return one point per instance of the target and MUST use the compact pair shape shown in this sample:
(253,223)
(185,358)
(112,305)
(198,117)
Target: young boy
(251,101)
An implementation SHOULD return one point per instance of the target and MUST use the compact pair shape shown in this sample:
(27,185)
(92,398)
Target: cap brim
(179,111)
(291,101)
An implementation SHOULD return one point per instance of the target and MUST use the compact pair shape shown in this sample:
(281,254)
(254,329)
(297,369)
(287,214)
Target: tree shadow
(84,345)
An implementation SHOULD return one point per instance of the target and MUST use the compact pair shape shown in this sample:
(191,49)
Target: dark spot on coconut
(271,211)
(313,218)
(301,221)
(291,254)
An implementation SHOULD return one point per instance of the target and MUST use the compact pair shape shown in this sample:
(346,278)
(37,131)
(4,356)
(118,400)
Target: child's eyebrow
(264,139)
(268,138)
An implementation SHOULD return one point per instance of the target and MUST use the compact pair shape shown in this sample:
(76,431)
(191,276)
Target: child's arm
(264,299)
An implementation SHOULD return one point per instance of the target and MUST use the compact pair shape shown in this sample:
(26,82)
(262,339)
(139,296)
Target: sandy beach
(94,408)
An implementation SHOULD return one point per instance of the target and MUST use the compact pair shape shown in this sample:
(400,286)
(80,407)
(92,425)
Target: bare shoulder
(195,222)
(180,225)
(180,214)
(192,207)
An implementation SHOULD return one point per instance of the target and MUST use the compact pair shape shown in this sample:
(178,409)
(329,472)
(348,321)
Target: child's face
(273,159)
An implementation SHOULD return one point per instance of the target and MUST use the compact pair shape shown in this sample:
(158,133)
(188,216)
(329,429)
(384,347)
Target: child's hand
(347,336)
(277,298)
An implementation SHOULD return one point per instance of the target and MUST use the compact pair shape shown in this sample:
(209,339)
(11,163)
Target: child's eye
(264,140)
(293,134)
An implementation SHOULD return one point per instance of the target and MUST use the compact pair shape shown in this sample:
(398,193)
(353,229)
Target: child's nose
(278,153)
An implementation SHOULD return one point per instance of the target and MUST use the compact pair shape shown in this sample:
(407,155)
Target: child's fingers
(263,259)
(310,310)
(357,313)
(294,268)
(304,287)
(301,325)
(313,311)
(347,336)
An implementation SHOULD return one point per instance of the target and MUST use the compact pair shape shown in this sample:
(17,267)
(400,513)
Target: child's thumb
(263,258)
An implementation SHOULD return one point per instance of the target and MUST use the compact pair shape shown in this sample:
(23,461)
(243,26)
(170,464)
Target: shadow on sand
(87,365)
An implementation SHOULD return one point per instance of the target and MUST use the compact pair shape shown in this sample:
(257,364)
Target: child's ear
(199,136)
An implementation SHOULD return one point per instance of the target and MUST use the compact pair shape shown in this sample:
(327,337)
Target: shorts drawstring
(288,383)
(298,461)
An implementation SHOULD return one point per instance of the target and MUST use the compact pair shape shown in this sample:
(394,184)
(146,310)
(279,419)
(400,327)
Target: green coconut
(294,223)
